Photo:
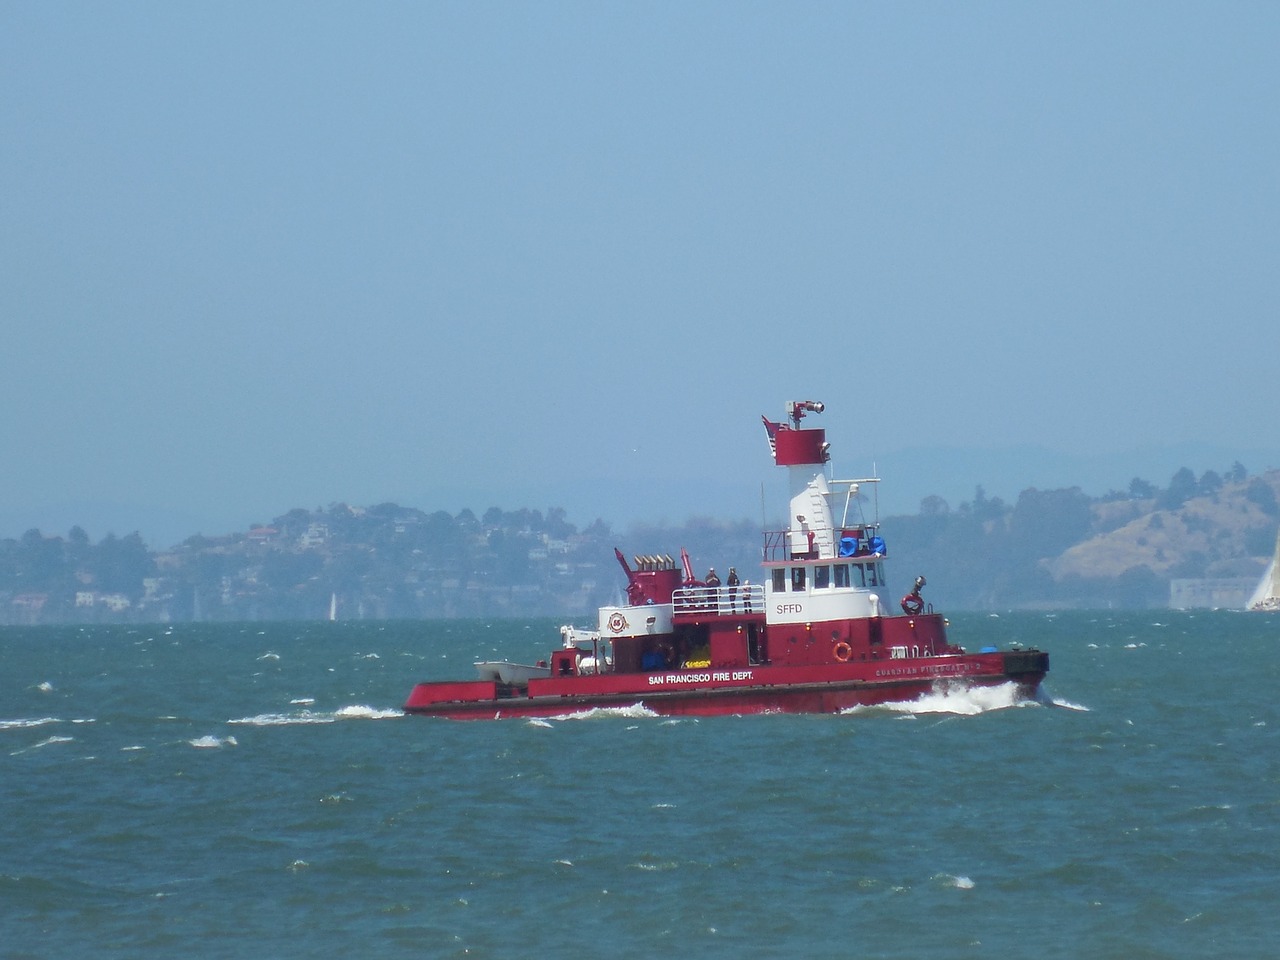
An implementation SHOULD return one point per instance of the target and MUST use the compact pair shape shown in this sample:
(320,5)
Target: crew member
(713,589)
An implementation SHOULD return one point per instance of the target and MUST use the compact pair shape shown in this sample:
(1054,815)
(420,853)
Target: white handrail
(725,601)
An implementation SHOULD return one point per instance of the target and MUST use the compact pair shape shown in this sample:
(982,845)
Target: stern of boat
(1026,668)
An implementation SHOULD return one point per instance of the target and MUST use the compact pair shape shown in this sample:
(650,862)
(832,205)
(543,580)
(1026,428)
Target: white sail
(1267,595)
(333,606)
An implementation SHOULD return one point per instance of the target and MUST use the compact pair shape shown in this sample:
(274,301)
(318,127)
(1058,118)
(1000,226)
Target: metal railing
(722,601)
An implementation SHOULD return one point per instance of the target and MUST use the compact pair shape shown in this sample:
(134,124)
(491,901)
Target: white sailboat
(333,606)
(1267,595)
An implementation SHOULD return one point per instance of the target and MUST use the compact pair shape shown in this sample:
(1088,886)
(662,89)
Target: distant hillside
(1224,533)
(1048,549)
(1060,548)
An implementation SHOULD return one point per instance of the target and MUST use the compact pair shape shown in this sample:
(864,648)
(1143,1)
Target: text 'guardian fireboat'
(814,637)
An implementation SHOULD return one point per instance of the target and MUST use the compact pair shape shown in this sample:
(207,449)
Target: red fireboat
(814,637)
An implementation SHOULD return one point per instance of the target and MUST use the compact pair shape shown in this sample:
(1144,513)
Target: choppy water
(252,791)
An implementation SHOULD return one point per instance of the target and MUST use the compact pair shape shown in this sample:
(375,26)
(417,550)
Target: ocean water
(253,791)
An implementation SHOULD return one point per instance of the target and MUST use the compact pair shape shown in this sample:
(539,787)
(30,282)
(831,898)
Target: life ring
(912,604)
(842,652)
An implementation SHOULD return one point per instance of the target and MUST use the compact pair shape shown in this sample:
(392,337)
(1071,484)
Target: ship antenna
(875,472)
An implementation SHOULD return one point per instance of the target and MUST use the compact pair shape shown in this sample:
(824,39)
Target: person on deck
(713,589)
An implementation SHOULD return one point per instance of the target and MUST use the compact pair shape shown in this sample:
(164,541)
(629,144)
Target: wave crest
(22,724)
(353,712)
(634,711)
(958,699)
(211,742)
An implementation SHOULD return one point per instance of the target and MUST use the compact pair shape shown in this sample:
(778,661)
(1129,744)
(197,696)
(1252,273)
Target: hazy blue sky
(265,255)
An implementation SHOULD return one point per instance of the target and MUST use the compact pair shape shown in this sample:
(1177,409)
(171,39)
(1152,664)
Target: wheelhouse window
(821,578)
(779,580)
(858,575)
(797,579)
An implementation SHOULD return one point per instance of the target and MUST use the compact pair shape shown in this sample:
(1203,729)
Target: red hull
(826,689)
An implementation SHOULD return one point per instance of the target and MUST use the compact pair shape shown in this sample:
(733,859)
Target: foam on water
(283,719)
(1067,704)
(361,712)
(43,743)
(653,867)
(957,699)
(22,724)
(211,742)
(354,712)
(635,711)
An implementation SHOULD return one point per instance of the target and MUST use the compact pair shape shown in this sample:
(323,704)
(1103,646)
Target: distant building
(317,534)
(1224,594)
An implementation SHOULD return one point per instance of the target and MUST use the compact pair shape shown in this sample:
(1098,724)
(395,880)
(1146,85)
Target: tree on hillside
(1140,489)
(1182,487)
(508,558)
(984,508)
(79,549)
(1210,483)
(1260,542)
(1045,522)
(556,524)
(597,529)
(1260,494)
(122,563)
(40,563)
(293,523)
(442,540)
(282,571)
(934,506)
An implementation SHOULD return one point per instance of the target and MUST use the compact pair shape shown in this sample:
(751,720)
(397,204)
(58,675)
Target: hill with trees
(1061,548)
(1048,549)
